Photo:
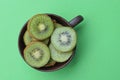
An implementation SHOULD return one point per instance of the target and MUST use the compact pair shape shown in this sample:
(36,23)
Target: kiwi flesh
(59,56)
(37,54)
(57,25)
(46,41)
(40,26)
(27,38)
(64,39)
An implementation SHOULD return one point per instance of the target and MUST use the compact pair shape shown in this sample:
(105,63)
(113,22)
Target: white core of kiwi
(36,54)
(41,27)
(64,38)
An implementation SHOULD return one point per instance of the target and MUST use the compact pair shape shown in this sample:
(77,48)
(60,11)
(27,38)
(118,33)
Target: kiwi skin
(33,64)
(28,24)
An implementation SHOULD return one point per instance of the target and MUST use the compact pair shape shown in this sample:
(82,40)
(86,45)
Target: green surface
(98,49)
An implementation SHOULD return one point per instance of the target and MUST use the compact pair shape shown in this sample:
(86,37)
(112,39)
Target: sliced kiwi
(40,26)
(59,56)
(27,38)
(37,54)
(46,41)
(57,25)
(64,39)
(50,63)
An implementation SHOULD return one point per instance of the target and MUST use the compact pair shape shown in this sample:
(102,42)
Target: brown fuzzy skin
(28,29)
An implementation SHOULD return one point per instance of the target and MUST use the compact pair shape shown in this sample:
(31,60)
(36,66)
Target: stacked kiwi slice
(47,42)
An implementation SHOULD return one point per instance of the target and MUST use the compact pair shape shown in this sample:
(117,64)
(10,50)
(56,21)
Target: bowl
(60,20)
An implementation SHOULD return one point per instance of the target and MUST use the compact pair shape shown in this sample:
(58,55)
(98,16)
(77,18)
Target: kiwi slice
(57,25)
(37,54)
(59,56)
(40,26)
(50,63)
(27,38)
(64,39)
(46,41)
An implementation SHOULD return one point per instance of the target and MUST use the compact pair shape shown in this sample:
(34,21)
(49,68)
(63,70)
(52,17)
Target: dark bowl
(60,20)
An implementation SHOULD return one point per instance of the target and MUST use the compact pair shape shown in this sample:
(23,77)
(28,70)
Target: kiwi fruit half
(40,26)
(64,39)
(37,54)
(59,56)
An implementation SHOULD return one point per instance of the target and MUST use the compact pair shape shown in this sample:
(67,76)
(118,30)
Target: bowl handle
(75,21)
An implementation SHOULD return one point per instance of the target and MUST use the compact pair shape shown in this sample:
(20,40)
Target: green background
(98,49)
